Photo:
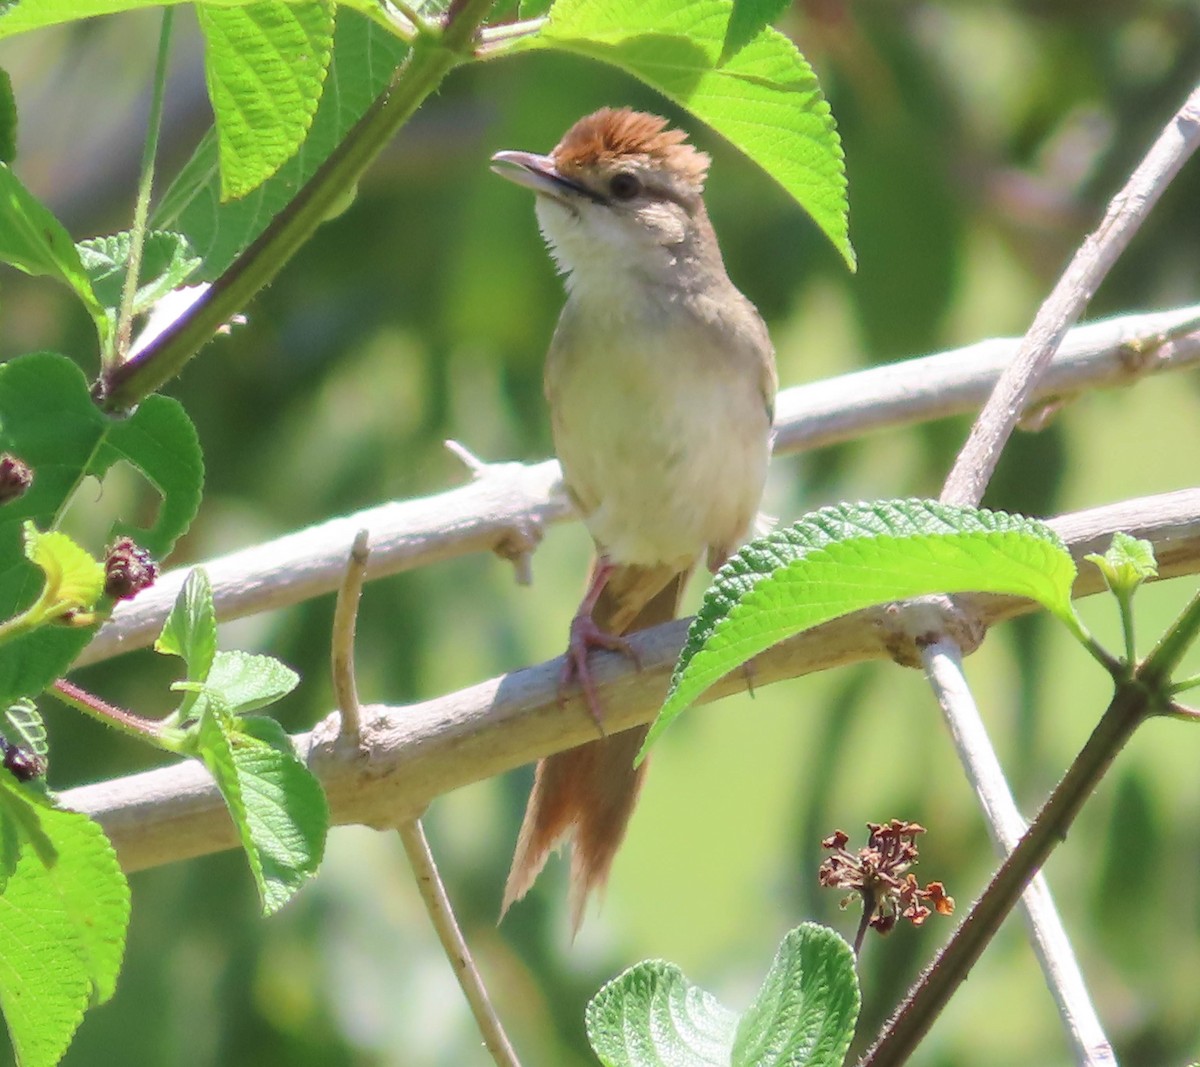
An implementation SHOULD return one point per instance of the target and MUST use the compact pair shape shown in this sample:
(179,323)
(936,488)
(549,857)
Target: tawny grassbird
(661,385)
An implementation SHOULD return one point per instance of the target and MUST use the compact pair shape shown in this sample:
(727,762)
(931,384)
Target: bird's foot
(585,636)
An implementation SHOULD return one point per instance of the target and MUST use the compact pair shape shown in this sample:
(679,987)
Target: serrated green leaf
(364,59)
(24,726)
(748,19)
(652,1016)
(190,632)
(265,64)
(73,579)
(48,419)
(286,809)
(852,556)
(167,261)
(33,240)
(63,926)
(8,119)
(276,804)
(762,95)
(246,682)
(805,1012)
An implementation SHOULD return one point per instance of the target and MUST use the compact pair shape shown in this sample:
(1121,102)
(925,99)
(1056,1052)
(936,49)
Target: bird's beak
(539,174)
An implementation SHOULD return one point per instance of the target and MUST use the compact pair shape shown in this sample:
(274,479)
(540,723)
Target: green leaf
(73,579)
(285,806)
(167,261)
(33,240)
(63,927)
(761,94)
(805,1012)
(852,556)
(10,846)
(48,419)
(652,1016)
(277,805)
(190,632)
(246,682)
(265,64)
(8,119)
(364,59)
(1128,562)
(748,19)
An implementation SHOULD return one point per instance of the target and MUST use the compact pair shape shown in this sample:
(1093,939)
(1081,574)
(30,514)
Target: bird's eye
(624,186)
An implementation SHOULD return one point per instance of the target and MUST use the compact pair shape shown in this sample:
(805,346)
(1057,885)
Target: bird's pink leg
(586,635)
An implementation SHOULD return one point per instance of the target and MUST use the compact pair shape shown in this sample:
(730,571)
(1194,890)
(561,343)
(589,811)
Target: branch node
(910,626)
(517,543)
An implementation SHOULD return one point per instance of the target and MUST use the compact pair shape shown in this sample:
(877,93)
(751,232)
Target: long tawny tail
(587,794)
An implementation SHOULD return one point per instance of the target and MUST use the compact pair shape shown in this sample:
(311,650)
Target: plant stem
(1125,603)
(111,715)
(1132,703)
(141,210)
(1158,667)
(441,914)
(427,64)
(1185,683)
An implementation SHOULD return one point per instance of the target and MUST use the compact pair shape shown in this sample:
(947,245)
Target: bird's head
(620,192)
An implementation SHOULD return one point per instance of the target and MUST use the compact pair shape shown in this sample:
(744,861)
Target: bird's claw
(585,636)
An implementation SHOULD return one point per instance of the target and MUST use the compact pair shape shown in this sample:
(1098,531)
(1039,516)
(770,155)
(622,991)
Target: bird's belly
(665,466)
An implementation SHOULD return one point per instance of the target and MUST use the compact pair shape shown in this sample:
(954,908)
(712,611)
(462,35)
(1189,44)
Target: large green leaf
(62,923)
(33,240)
(721,62)
(48,420)
(265,64)
(364,59)
(851,556)
(803,1016)
(8,120)
(805,1012)
(652,1016)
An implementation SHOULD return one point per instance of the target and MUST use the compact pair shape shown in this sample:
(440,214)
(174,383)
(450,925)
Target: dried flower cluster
(879,874)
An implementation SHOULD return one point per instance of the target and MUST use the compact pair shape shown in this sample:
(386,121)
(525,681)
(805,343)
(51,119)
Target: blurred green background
(982,141)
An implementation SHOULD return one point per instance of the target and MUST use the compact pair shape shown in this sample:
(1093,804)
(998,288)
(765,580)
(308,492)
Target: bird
(660,380)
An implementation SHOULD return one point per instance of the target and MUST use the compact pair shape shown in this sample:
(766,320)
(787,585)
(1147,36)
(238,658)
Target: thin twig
(345,616)
(441,914)
(1128,210)
(118,718)
(141,209)
(943,668)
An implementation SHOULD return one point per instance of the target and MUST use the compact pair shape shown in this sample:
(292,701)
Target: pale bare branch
(505,504)
(410,755)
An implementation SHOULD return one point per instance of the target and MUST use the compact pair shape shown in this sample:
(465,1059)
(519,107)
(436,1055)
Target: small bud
(15,477)
(22,764)
(128,569)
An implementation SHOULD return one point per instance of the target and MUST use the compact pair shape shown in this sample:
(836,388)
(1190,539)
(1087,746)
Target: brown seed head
(612,136)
